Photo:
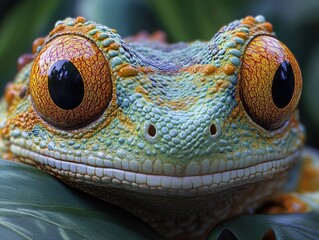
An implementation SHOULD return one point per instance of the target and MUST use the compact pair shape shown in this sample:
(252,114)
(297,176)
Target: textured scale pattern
(93,67)
(162,130)
(263,60)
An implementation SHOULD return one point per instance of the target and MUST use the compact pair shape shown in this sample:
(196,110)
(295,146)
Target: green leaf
(280,226)
(35,205)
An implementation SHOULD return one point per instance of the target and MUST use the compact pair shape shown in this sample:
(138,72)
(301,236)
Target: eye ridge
(65,85)
(283,85)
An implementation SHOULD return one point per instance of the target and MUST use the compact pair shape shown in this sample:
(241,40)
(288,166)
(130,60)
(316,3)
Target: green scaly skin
(201,164)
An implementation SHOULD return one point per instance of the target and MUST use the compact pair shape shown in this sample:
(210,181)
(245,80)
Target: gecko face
(154,118)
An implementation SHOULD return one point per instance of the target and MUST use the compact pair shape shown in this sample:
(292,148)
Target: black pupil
(283,85)
(65,85)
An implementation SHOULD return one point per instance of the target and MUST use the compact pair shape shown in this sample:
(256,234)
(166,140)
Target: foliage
(35,205)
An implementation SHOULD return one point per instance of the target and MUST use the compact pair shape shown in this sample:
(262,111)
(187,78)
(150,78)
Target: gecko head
(148,116)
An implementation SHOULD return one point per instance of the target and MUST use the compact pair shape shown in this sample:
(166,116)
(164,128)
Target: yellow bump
(249,20)
(113,46)
(225,85)
(141,90)
(57,29)
(229,69)
(80,19)
(91,26)
(145,70)
(128,71)
(212,90)
(234,113)
(267,26)
(220,82)
(241,35)
(209,69)
(13,93)
(4,131)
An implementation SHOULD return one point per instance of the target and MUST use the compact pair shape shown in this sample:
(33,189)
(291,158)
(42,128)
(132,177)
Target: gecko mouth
(167,184)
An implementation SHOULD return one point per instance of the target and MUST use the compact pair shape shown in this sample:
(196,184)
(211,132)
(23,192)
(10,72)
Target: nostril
(151,130)
(150,133)
(213,129)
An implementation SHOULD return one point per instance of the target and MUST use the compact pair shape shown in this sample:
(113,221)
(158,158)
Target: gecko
(181,135)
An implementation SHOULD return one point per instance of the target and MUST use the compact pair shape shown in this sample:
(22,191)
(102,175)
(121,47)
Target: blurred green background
(296,23)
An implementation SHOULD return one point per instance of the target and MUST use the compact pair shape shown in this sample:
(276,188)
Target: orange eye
(270,82)
(70,82)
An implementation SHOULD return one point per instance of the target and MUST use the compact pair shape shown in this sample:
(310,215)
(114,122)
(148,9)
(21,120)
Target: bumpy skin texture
(174,140)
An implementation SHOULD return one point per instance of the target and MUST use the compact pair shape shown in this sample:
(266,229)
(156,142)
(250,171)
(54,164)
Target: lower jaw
(192,214)
(183,213)
(189,217)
